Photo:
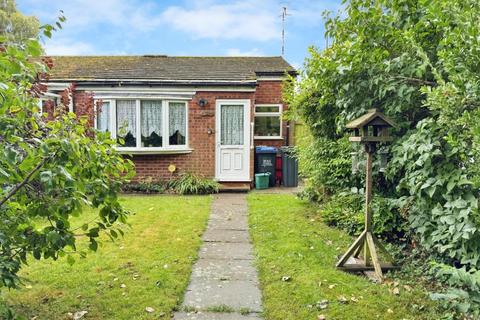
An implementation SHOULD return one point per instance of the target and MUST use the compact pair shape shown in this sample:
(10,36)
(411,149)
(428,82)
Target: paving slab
(203,294)
(229,215)
(226,250)
(226,235)
(232,224)
(225,270)
(215,316)
(224,274)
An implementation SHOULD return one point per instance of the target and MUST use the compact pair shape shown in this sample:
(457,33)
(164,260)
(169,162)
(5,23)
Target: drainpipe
(287,139)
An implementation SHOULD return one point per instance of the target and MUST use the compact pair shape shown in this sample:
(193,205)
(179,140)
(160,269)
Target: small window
(126,122)
(260,109)
(47,105)
(268,121)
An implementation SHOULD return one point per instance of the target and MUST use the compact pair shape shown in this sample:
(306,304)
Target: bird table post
(369,130)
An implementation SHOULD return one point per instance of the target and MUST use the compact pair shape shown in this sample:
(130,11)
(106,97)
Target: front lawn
(291,243)
(149,267)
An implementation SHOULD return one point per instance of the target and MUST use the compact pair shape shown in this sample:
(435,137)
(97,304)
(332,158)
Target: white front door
(232,140)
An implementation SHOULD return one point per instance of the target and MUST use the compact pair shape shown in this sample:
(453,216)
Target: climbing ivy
(417,61)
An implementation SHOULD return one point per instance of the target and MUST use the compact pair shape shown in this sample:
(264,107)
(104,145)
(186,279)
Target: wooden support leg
(375,261)
(358,251)
(366,254)
(352,249)
(382,248)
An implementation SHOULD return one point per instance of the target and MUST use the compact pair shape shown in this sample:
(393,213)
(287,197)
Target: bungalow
(200,114)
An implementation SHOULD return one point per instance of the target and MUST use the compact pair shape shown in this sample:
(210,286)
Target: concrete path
(224,282)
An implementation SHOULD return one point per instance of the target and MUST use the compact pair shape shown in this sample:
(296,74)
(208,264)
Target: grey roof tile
(156,67)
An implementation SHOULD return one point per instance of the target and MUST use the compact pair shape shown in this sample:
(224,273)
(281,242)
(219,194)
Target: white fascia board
(50,95)
(56,86)
(267,78)
(159,81)
(174,90)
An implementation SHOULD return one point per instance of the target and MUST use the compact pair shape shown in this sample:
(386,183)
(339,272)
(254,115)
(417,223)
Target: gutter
(152,82)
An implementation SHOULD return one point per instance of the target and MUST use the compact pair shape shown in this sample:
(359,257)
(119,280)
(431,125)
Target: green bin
(261,180)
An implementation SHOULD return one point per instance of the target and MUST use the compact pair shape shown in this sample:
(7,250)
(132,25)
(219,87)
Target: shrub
(462,296)
(346,211)
(327,166)
(144,187)
(189,183)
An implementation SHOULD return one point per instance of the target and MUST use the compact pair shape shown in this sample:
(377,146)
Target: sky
(186,28)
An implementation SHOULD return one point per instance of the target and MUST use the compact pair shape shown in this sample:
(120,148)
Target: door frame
(246,138)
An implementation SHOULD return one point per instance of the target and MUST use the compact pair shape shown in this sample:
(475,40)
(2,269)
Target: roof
(166,68)
(368,117)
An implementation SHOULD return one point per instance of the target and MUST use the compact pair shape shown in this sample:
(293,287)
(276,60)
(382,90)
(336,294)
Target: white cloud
(246,19)
(235,52)
(85,13)
(310,13)
(68,48)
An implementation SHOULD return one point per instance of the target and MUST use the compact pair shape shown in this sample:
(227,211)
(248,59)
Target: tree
(50,170)
(417,61)
(15,25)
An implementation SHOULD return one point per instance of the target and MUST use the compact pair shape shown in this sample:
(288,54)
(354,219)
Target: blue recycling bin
(265,162)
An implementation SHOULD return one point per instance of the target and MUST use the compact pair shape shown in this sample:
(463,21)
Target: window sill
(153,151)
(268,138)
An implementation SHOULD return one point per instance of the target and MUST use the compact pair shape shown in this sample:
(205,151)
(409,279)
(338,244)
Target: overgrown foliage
(463,293)
(189,183)
(145,186)
(50,170)
(417,61)
(345,210)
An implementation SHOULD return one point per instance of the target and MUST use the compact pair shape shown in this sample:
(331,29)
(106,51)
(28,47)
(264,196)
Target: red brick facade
(201,131)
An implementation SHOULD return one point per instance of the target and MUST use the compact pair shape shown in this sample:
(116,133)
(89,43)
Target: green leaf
(70,259)
(93,245)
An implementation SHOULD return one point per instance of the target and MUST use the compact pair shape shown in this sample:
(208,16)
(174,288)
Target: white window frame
(111,102)
(166,147)
(48,97)
(269,114)
(56,98)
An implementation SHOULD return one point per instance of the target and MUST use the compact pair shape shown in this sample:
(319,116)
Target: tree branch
(19,185)
(418,81)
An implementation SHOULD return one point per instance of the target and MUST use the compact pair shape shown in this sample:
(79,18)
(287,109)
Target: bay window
(268,121)
(144,124)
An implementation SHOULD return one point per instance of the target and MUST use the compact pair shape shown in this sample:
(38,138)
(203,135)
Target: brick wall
(271,92)
(202,159)
(82,105)
(201,120)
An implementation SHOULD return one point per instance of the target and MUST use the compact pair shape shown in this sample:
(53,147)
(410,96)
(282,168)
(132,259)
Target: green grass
(290,242)
(153,262)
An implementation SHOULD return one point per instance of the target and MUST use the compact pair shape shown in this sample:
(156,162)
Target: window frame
(269,114)
(46,98)
(166,147)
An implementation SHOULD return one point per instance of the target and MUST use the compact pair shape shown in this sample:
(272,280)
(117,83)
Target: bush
(144,187)
(462,295)
(327,166)
(346,211)
(189,183)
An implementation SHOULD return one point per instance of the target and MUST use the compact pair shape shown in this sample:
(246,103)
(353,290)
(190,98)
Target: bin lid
(262,174)
(265,149)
